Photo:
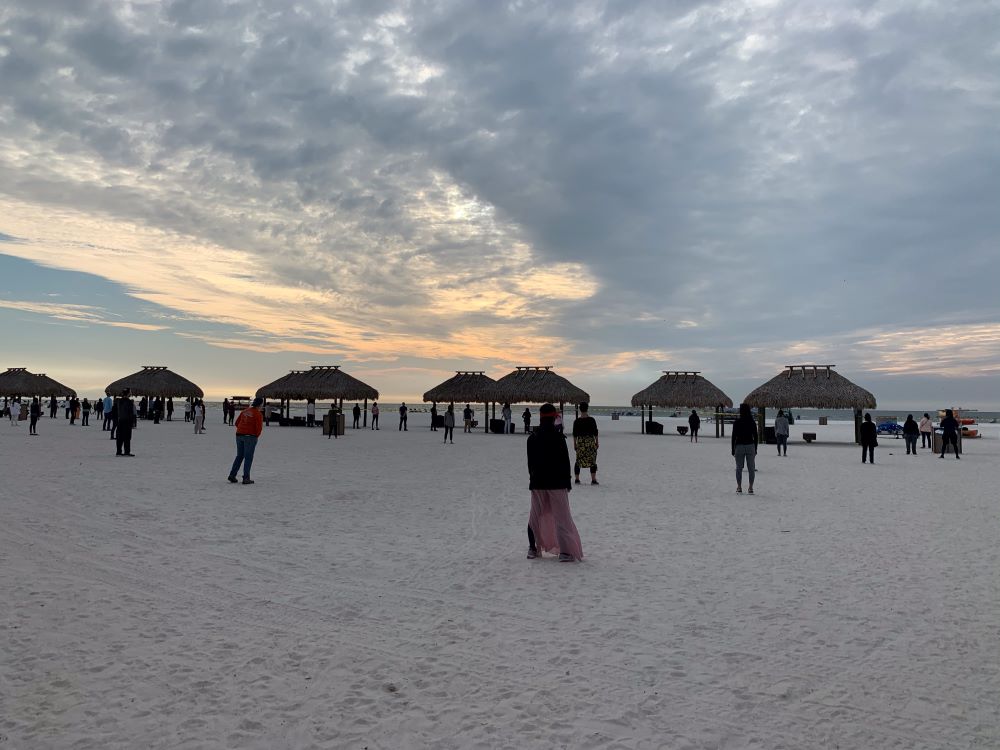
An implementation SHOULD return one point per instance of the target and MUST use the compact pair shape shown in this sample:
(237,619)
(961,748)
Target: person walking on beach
(526,418)
(911,430)
(869,438)
(781,432)
(53,407)
(85,412)
(402,416)
(15,411)
(434,416)
(124,421)
(926,427)
(694,424)
(356,413)
(109,404)
(449,424)
(374,415)
(744,447)
(585,443)
(550,523)
(249,426)
(949,433)
(199,417)
(508,425)
(467,415)
(34,412)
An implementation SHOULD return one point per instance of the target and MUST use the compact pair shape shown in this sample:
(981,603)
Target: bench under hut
(465,387)
(811,387)
(318,382)
(677,389)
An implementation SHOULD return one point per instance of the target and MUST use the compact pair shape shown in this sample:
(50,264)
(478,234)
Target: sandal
(739,490)
(750,491)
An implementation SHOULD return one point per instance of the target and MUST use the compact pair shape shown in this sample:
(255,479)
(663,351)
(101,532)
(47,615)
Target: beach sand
(373,592)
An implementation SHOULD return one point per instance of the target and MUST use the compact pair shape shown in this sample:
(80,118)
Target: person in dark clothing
(157,408)
(526,417)
(402,416)
(467,415)
(744,446)
(114,419)
(85,413)
(170,409)
(356,413)
(53,407)
(694,424)
(143,407)
(585,443)
(911,431)
(434,415)
(869,439)
(949,433)
(550,523)
(74,408)
(449,424)
(34,412)
(125,420)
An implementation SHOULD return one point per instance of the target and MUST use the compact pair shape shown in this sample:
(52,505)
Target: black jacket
(869,433)
(694,421)
(910,427)
(584,427)
(744,432)
(125,412)
(548,460)
(949,426)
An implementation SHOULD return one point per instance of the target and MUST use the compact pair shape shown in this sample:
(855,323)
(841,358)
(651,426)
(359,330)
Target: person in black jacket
(949,433)
(911,431)
(869,438)
(744,446)
(34,412)
(125,420)
(550,524)
(356,413)
(694,423)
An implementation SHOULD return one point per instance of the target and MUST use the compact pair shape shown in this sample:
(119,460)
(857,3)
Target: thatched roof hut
(17,381)
(678,388)
(318,382)
(537,385)
(810,386)
(156,381)
(468,386)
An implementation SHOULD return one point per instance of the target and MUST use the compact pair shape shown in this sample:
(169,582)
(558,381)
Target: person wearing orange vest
(249,425)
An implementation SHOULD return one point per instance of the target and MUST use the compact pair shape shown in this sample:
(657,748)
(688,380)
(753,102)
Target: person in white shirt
(310,413)
(15,411)
(199,417)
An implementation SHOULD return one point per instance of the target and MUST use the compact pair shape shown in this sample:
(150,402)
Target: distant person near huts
(225,410)
(911,431)
(585,443)
(508,425)
(550,523)
(187,409)
(781,432)
(526,417)
(356,413)
(170,409)
(14,409)
(310,413)
(434,414)
(85,412)
(124,422)
(949,433)
(249,426)
(744,447)
(74,409)
(374,415)
(34,412)
(869,439)
(53,407)
(199,417)
(449,424)
(402,416)
(926,431)
(109,415)
(694,424)
(467,415)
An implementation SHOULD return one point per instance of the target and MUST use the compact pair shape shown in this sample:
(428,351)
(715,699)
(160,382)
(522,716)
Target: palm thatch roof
(810,386)
(470,386)
(537,385)
(17,381)
(319,381)
(681,388)
(155,380)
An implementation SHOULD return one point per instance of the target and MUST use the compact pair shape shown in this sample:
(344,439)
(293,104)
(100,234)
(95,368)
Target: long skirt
(586,451)
(552,523)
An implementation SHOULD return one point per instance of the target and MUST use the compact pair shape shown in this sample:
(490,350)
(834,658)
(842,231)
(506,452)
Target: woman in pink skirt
(550,524)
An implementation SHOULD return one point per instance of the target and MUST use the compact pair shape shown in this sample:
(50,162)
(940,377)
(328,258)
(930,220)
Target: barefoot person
(249,425)
(744,445)
(585,443)
(550,524)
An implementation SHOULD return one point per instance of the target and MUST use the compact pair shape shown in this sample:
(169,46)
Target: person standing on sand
(926,427)
(109,405)
(949,433)
(869,438)
(85,411)
(910,432)
(34,412)
(508,425)
(249,426)
(434,415)
(374,415)
(550,523)
(781,432)
(15,412)
(124,421)
(225,410)
(170,409)
(311,413)
(744,447)
(526,417)
(199,417)
(449,424)
(402,416)
(467,415)
(187,409)
(694,424)
(356,413)
(585,443)
(53,407)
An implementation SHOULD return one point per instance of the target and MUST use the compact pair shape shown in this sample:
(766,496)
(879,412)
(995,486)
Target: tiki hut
(318,382)
(536,385)
(467,386)
(17,381)
(680,388)
(155,381)
(811,387)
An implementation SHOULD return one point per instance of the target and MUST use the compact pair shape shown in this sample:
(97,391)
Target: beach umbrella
(155,381)
(680,388)
(811,387)
(466,386)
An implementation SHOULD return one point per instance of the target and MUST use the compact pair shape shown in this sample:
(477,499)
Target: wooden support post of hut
(677,389)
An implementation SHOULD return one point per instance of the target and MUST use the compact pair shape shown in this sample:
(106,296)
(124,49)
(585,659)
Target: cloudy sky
(407,188)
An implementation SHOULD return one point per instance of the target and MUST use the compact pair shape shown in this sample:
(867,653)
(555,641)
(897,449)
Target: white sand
(373,592)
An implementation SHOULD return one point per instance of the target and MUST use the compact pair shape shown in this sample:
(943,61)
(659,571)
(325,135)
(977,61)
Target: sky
(408,188)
